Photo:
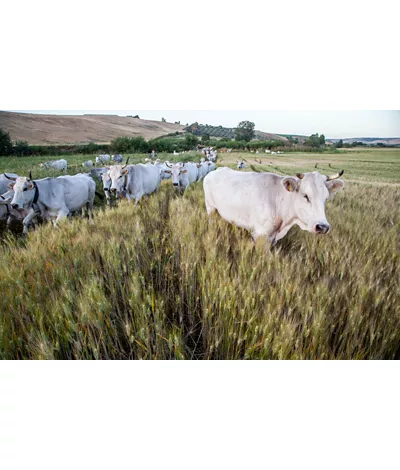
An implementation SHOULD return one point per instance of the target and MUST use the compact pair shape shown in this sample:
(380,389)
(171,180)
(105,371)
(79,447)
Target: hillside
(227,132)
(57,129)
(370,140)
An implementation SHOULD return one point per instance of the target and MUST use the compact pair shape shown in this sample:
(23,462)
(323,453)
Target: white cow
(117,158)
(203,169)
(176,153)
(98,172)
(211,167)
(134,181)
(212,156)
(106,181)
(60,165)
(13,215)
(103,159)
(56,198)
(5,181)
(268,205)
(88,164)
(183,174)
(268,151)
(240,164)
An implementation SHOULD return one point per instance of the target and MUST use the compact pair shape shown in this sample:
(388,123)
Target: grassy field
(162,281)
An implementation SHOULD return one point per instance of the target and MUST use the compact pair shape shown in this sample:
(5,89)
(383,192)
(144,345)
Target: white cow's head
(24,191)
(106,179)
(118,175)
(310,192)
(176,171)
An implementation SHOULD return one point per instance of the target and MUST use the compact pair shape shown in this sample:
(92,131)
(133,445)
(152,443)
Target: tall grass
(162,281)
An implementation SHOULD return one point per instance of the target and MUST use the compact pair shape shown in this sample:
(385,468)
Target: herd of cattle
(266,204)
(26,200)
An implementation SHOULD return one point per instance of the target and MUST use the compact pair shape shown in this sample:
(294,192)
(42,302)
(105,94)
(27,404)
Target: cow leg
(62,213)
(27,221)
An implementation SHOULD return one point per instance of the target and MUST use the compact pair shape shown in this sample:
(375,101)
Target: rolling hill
(47,129)
(370,140)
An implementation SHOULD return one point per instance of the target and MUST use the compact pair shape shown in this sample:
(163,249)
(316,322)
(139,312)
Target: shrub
(5,143)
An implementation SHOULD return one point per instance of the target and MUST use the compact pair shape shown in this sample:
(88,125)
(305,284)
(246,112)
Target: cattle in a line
(240,164)
(183,174)
(268,151)
(134,181)
(103,159)
(88,164)
(117,158)
(54,198)
(60,165)
(268,205)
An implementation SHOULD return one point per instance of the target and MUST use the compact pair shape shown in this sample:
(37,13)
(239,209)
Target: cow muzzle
(15,206)
(176,184)
(322,229)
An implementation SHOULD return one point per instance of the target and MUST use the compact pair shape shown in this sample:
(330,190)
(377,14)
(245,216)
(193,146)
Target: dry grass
(162,281)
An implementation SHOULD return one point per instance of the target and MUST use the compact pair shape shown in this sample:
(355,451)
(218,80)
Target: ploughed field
(163,281)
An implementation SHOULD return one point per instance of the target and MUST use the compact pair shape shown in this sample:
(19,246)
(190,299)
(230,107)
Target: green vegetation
(5,143)
(245,131)
(163,281)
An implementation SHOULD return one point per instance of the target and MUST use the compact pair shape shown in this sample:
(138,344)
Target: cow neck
(6,204)
(36,196)
(125,182)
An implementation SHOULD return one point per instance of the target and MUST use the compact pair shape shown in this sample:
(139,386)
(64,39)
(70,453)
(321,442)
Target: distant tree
(339,144)
(205,138)
(5,143)
(177,122)
(315,141)
(163,120)
(245,131)
(191,140)
(137,116)
(21,148)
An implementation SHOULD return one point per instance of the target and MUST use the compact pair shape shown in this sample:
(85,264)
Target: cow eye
(25,189)
(308,199)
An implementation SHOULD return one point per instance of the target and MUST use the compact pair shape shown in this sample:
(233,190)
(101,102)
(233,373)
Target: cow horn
(9,178)
(336,176)
(126,164)
(168,165)
(30,175)
(300,175)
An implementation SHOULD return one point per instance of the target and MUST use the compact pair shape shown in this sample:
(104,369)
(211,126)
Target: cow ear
(126,172)
(183,171)
(11,185)
(334,186)
(290,184)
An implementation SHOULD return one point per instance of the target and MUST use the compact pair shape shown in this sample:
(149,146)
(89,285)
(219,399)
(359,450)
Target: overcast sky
(334,124)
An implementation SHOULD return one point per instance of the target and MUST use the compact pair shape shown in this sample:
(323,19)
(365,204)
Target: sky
(333,124)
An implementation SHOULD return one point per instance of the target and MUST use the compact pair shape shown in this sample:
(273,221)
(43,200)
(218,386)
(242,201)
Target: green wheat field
(163,281)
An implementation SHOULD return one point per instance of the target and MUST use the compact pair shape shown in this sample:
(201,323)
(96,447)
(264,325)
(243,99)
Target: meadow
(164,281)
